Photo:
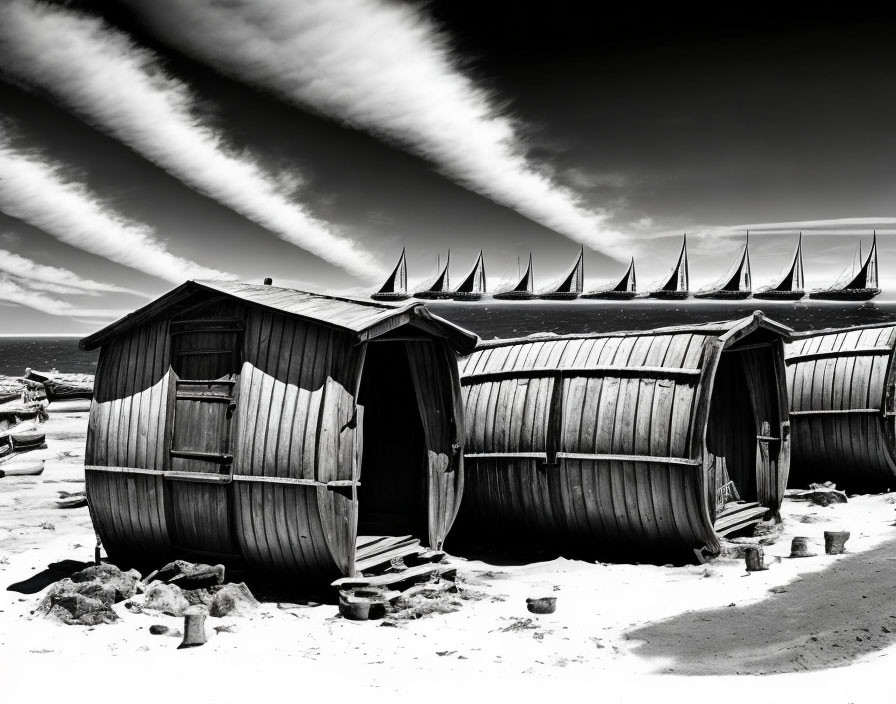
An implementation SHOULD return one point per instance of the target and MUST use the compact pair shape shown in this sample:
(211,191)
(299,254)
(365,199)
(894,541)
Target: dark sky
(666,121)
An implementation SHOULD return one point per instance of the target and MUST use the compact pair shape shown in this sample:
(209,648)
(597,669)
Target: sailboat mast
(748,275)
(685,274)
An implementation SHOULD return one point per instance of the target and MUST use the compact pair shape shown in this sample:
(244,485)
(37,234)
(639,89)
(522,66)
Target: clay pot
(542,605)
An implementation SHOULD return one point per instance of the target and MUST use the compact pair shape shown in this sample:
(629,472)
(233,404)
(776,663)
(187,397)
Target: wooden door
(201,465)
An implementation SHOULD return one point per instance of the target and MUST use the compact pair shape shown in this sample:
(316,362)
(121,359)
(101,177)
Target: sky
(146,142)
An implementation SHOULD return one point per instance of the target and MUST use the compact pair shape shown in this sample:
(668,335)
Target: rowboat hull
(433,295)
(514,296)
(26,440)
(390,296)
(670,295)
(560,296)
(467,296)
(779,295)
(851,294)
(724,295)
(25,468)
(611,295)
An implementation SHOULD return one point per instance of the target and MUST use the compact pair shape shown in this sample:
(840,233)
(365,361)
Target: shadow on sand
(828,619)
(54,572)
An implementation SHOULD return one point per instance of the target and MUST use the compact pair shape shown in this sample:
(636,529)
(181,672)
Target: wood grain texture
(234,429)
(595,442)
(840,385)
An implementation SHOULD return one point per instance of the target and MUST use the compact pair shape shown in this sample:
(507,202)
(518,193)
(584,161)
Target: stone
(157,629)
(190,575)
(167,598)
(124,584)
(826,497)
(233,600)
(79,604)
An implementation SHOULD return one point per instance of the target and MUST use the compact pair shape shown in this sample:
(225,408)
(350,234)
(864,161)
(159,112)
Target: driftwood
(755,559)
(194,628)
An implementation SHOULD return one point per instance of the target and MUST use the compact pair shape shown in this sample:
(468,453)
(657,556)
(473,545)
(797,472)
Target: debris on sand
(86,598)
(232,600)
(189,575)
(167,598)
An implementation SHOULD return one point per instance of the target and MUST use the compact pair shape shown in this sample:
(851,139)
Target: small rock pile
(87,597)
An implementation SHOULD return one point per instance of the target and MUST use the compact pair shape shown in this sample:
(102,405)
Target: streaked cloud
(54,279)
(13,292)
(384,68)
(98,73)
(33,189)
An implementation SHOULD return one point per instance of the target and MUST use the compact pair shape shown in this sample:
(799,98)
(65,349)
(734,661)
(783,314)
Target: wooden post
(835,541)
(799,547)
(194,628)
(755,559)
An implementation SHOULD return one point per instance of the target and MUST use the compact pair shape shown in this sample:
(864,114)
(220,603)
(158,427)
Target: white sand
(310,652)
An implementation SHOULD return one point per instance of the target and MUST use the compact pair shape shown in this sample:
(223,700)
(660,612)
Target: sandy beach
(824,624)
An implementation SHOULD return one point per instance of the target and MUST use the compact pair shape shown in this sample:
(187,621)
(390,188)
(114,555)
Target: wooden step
(413,575)
(366,545)
(740,519)
(384,559)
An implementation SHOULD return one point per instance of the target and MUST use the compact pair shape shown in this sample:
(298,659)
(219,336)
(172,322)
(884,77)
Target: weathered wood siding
(127,429)
(294,416)
(840,386)
(600,440)
(591,423)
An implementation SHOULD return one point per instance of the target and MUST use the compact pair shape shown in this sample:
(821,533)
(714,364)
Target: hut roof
(365,318)
(720,328)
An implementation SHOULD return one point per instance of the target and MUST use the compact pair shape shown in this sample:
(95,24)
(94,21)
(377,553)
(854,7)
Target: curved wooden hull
(614,445)
(724,295)
(779,295)
(611,295)
(467,296)
(669,295)
(390,296)
(841,414)
(559,296)
(855,294)
(433,295)
(22,468)
(514,296)
(61,391)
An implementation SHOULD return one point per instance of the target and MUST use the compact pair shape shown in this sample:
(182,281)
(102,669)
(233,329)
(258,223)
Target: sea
(491,319)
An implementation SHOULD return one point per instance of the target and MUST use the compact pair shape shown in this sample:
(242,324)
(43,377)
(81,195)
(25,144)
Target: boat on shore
(737,283)
(438,287)
(625,289)
(396,286)
(570,287)
(523,291)
(62,386)
(677,285)
(862,286)
(472,288)
(792,286)
(22,468)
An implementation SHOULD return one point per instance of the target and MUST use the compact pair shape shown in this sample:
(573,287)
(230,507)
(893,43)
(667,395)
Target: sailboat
(862,286)
(472,288)
(737,283)
(570,287)
(792,286)
(439,287)
(396,286)
(626,288)
(676,286)
(524,290)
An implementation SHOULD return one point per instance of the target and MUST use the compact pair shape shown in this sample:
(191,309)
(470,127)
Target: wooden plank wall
(295,403)
(849,438)
(127,429)
(646,504)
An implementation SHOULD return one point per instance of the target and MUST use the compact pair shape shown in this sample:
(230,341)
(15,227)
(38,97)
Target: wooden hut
(273,426)
(631,444)
(842,388)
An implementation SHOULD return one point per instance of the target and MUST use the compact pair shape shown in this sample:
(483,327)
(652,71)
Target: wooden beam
(567,372)
(856,352)
(835,412)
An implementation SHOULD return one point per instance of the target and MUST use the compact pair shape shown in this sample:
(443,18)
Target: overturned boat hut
(842,388)
(274,427)
(627,445)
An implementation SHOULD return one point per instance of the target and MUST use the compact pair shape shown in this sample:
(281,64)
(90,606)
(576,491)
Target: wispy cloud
(54,279)
(14,292)
(382,67)
(33,189)
(98,73)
